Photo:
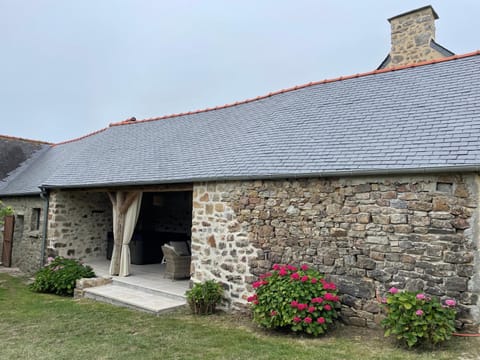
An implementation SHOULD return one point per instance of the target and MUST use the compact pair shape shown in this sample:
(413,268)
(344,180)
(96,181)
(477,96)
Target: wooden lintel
(142,188)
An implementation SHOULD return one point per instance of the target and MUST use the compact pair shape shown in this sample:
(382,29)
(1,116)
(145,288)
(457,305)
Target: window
(35,220)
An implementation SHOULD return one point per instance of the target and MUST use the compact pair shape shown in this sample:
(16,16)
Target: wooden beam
(142,188)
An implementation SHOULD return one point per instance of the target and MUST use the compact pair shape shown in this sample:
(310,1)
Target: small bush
(294,299)
(204,297)
(58,276)
(417,319)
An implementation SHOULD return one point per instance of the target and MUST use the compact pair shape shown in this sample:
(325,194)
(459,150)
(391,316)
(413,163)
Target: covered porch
(147,290)
(149,277)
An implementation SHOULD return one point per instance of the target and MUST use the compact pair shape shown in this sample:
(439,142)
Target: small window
(35,221)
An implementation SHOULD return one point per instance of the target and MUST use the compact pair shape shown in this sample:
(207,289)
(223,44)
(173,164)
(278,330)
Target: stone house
(373,179)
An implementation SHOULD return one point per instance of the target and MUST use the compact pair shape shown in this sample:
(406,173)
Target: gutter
(44,194)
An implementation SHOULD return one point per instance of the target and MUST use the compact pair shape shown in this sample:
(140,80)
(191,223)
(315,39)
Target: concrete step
(147,289)
(132,298)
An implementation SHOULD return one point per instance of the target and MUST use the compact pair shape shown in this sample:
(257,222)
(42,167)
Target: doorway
(164,217)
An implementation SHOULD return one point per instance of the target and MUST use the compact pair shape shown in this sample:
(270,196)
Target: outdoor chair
(177,266)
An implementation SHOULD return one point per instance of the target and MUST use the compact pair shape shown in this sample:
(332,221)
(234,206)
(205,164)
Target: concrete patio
(146,289)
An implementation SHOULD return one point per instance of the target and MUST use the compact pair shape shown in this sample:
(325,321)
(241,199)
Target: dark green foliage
(294,299)
(59,276)
(204,297)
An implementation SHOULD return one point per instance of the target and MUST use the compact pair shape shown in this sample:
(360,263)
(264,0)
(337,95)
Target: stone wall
(410,37)
(28,235)
(78,222)
(366,234)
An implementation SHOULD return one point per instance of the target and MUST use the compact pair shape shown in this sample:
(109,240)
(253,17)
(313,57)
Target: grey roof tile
(421,117)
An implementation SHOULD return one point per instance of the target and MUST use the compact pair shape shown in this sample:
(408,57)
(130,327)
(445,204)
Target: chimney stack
(413,38)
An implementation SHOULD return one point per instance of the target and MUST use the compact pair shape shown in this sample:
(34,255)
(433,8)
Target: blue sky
(71,67)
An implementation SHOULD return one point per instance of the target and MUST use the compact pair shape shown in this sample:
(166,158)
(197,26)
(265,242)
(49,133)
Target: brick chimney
(413,38)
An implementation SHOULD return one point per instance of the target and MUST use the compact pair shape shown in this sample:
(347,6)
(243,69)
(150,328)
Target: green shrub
(294,299)
(58,276)
(417,319)
(204,297)
(4,211)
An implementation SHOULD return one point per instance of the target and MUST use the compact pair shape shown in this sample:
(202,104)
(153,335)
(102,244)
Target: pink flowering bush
(418,319)
(297,299)
(58,276)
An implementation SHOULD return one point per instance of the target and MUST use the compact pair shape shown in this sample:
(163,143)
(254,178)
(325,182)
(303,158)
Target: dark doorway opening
(164,217)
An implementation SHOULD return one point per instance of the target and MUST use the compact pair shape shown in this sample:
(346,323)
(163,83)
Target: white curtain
(131,217)
(114,263)
(126,207)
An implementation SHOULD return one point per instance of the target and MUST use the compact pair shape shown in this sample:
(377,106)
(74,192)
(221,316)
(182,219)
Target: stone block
(420,206)
(419,220)
(372,306)
(381,219)
(337,232)
(398,204)
(380,275)
(403,229)
(460,223)
(363,218)
(365,262)
(351,301)
(456,284)
(398,219)
(461,257)
(352,286)
(382,240)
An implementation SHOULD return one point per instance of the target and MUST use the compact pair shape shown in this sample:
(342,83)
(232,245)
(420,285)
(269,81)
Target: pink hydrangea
(421,296)
(294,303)
(295,276)
(307,320)
(311,309)
(302,306)
(327,307)
(296,319)
(313,281)
(291,268)
(317,300)
(304,267)
(321,320)
(419,312)
(252,298)
(282,272)
(393,290)
(304,278)
(450,302)
(257,284)
(276,267)
(273,313)
(331,286)
(266,275)
(331,297)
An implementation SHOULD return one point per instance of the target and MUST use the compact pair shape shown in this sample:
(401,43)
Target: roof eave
(336,173)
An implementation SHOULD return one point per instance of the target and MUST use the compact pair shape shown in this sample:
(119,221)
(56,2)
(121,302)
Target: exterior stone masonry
(78,223)
(366,234)
(411,35)
(28,236)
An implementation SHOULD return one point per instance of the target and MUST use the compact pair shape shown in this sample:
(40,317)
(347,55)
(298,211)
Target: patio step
(134,298)
(147,289)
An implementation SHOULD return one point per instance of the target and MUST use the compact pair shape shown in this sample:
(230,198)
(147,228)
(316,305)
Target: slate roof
(419,118)
(15,151)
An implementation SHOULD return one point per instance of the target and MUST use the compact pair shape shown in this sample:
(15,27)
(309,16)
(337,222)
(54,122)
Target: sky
(71,67)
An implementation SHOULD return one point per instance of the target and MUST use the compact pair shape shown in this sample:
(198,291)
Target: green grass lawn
(39,326)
